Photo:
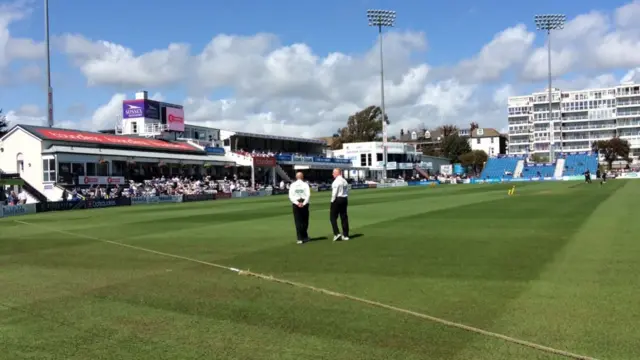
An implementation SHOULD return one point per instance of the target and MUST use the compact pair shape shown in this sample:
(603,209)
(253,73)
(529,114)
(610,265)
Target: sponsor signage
(311,159)
(17,210)
(359,186)
(156,199)
(174,118)
(113,140)
(628,175)
(102,180)
(132,109)
(214,150)
(60,206)
(98,204)
(422,183)
(264,161)
(198,197)
(222,196)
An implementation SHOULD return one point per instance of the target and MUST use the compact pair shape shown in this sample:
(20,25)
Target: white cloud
(11,48)
(106,116)
(292,89)
(593,41)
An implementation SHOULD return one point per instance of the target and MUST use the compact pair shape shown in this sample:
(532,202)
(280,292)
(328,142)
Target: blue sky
(453,31)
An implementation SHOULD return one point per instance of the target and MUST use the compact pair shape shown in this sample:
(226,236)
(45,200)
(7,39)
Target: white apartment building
(580,118)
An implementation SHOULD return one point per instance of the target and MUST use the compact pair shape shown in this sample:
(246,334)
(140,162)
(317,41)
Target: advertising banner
(98,204)
(115,140)
(198,197)
(60,206)
(372,186)
(628,175)
(102,180)
(324,187)
(264,161)
(458,169)
(18,210)
(210,150)
(280,192)
(132,109)
(422,183)
(162,199)
(222,196)
(359,186)
(392,165)
(284,158)
(175,119)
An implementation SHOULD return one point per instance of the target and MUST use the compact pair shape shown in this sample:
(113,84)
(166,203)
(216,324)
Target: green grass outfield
(556,264)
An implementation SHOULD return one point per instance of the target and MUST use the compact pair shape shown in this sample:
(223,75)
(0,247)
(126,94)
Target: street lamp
(380,19)
(547,23)
(49,88)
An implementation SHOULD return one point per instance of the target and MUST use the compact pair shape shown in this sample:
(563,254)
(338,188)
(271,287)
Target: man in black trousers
(299,195)
(339,204)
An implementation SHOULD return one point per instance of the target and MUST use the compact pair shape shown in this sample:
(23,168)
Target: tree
(448,130)
(453,146)
(4,124)
(474,125)
(612,149)
(363,126)
(474,159)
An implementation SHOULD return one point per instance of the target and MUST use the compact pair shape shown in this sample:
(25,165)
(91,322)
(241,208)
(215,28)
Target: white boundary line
(506,338)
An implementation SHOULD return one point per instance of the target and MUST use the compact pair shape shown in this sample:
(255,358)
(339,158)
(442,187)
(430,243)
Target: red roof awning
(114,140)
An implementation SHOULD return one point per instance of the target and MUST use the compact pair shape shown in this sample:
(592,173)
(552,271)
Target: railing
(587,127)
(574,118)
(628,103)
(628,113)
(627,93)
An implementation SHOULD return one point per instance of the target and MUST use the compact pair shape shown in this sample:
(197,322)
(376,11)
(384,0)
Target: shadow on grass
(318,238)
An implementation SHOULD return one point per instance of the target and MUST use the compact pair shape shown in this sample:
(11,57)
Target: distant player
(604,178)
(587,177)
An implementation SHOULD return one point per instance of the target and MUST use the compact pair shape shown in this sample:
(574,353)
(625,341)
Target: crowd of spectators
(9,197)
(157,186)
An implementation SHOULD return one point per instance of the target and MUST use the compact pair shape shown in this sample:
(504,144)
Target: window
(91,169)
(378,157)
(363,159)
(478,141)
(134,127)
(49,170)
(492,139)
(368,159)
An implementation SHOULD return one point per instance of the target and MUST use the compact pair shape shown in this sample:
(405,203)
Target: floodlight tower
(49,88)
(547,23)
(381,19)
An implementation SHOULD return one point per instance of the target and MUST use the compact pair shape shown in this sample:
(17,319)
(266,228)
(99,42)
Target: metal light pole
(380,19)
(49,88)
(547,23)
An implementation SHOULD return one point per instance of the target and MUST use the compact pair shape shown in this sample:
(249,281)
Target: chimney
(142,95)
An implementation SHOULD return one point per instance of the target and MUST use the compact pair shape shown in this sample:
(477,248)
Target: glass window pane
(45,165)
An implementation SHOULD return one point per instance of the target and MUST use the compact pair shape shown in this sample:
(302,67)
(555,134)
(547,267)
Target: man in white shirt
(299,195)
(22,197)
(339,203)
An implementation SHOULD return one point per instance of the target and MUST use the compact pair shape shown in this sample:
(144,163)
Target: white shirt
(299,190)
(339,188)
(22,196)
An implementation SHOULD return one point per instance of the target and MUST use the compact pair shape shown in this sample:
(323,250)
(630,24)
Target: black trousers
(339,208)
(301,218)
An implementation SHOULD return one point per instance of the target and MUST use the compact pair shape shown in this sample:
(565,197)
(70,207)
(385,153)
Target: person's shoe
(345,238)
(300,242)
(337,237)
